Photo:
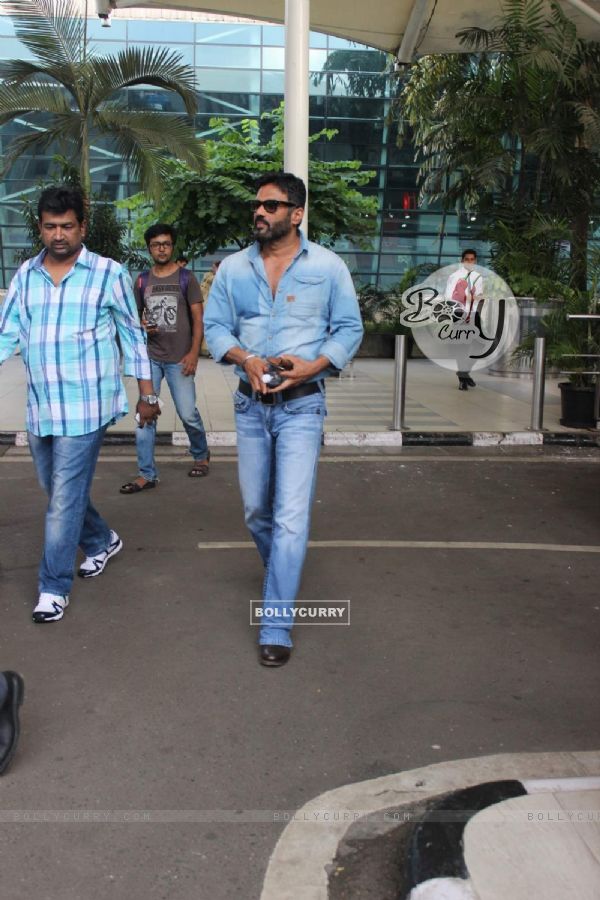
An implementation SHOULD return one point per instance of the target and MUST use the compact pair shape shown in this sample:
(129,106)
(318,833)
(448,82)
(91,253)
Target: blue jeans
(65,469)
(278,454)
(183,392)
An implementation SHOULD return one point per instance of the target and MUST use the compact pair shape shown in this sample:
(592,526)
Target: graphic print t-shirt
(165,306)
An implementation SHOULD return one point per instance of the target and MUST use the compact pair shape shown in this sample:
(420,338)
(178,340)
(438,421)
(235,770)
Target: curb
(307,854)
(368,438)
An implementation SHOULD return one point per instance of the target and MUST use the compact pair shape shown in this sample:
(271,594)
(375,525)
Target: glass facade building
(240,74)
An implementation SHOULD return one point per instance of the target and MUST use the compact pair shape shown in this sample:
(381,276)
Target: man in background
(170,307)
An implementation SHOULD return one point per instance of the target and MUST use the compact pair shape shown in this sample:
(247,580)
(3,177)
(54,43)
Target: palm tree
(77,95)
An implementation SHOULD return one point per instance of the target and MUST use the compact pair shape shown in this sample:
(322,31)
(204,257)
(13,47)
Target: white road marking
(414,545)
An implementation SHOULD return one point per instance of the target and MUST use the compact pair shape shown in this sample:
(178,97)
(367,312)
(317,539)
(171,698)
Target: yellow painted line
(414,545)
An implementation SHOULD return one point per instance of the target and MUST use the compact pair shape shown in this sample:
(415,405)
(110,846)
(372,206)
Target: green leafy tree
(212,209)
(72,95)
(513,125)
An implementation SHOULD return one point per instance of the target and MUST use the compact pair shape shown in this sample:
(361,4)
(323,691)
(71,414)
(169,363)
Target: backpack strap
(184,281)
(142,283)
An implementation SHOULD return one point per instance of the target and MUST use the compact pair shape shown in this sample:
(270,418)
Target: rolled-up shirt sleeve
(125,314)
(345,324)
(220,319)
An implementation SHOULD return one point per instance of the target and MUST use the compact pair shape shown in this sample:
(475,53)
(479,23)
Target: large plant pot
(381,345)
(577,405)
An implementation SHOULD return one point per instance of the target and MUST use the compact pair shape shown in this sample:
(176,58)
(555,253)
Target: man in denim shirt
(284,298)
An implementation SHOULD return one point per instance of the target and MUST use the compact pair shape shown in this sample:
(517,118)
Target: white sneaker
(94,565)
(50,608)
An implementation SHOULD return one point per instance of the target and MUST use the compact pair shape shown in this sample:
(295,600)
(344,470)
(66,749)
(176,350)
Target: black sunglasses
(270,206)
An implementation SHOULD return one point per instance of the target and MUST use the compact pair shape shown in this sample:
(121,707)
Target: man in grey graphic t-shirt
(170,305)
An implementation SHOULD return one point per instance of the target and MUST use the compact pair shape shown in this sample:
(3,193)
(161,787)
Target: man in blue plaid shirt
(64,309)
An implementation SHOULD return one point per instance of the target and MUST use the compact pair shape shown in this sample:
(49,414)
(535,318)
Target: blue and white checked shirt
(67,340)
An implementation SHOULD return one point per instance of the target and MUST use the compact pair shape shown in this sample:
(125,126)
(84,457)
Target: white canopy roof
(430,26)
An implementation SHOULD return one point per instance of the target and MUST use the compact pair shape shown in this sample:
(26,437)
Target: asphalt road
(157,756)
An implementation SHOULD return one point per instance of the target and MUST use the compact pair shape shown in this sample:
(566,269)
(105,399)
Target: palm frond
(62,130)
(157,66)
(138,136)
(28,98)
(17,71)
(53,30)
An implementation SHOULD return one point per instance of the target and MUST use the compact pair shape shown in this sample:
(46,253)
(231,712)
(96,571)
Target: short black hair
(182,258)
(292,186)
(469,250)
(60,199)
(159,228)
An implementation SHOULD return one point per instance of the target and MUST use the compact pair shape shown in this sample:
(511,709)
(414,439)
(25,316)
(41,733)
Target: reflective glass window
(226,105)
(164,31)
(273,58)
(228,80)
(6,25)
(227,33)
(228,57)
(317,60)
(12,48)
(116,32)
(273,82)
(273,35)
(355,84)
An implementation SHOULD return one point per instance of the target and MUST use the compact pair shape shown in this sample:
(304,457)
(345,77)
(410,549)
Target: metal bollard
(539,383)
(400,359)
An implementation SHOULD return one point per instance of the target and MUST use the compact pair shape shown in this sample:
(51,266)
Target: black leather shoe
(274,654)
(470,382)
(463,384)
(9,718)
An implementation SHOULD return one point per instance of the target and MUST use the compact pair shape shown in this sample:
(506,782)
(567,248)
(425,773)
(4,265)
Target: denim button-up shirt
(314,312)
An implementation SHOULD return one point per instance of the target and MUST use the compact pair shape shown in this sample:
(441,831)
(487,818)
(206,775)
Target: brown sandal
(132,487)
(200,469)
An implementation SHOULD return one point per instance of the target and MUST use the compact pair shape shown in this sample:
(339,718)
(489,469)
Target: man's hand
(149,327)
(189,363)
(297,370)
(255,368)
(148,412)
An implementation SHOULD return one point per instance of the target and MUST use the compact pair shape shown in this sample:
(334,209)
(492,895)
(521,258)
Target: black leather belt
(303,390)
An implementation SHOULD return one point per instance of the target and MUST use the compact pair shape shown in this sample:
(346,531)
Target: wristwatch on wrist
(152,399)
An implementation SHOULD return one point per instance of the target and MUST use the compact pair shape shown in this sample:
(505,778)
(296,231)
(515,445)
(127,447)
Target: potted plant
(381,310)
(573,347)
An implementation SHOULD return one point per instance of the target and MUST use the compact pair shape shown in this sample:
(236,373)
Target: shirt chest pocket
(310,297)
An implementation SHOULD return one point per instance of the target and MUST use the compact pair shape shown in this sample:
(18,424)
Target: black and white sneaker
(50,608)
(94,565)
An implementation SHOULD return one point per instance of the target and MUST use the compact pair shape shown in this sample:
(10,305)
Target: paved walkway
(158,759)
(361,401)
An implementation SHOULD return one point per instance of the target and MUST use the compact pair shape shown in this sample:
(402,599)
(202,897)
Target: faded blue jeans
(65,469)
(183,392)
(278,455)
